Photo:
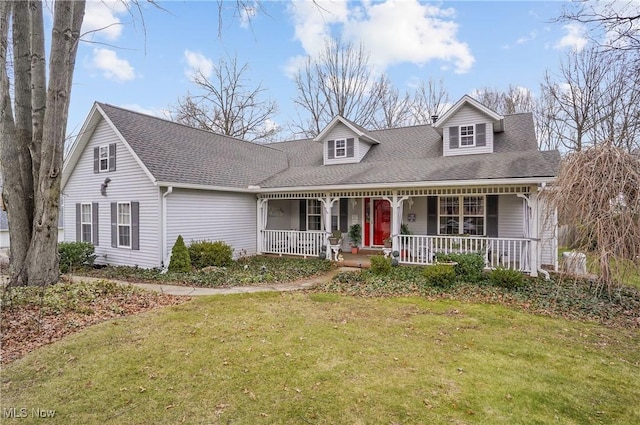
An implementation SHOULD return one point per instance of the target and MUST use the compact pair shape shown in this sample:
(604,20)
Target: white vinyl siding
(283,214)
(214,216)
(467,116)
(510,216)
(548,245)
(128,183)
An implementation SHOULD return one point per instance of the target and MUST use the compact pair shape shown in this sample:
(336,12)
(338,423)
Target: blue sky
(466,44)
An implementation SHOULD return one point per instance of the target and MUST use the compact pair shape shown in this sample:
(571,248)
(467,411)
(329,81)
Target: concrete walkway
(197,291)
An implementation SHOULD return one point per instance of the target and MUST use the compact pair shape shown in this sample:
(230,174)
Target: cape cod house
(468,183)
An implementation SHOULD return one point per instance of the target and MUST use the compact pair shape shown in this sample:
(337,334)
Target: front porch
(502,223)
(509,253)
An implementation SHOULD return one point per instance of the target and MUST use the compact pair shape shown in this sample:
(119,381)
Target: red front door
(381,221)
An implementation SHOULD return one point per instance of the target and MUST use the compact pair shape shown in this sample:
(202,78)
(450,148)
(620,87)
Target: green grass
(318,358)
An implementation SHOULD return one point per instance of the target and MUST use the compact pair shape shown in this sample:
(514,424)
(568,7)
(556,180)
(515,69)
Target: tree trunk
(42,258)
(33,132)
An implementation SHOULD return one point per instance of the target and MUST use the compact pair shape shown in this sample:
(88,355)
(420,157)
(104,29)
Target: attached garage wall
(214,216)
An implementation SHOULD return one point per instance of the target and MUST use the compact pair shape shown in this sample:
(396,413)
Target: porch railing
(292,242)
(509,253)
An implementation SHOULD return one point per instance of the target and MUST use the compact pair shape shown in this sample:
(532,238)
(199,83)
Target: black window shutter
(78,223)
(96,160)
(350,148)
(114,224)
(344,215)
(481,134)
(492,216)
(112,157)
(432,215)
(302,225)
(94,223)
(330,149)
(135,225)
(453,137)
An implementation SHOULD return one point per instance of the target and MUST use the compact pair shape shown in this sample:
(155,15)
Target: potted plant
(388,242)
(335,237)
(355,234)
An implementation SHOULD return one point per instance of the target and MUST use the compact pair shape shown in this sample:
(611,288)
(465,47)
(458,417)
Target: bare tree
(612,24)
(512,101)
(394,109)
(338,82)
(577,93)
(598,190)
(430,100)
(33,119)
(227,104)
(593,99)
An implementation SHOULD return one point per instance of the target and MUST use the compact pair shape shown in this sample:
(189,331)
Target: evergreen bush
(180,259)
(380,264)
(74,255)
(439,275)
(469,267)
(206,254)
(506,278)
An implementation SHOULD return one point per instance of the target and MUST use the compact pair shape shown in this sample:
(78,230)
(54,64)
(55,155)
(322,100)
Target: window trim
(105,158)
(119,225)
(472,135)
(343,148)
(310,207)
(89,223)
(460,216)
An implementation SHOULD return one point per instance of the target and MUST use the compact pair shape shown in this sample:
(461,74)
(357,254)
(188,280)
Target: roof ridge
(168,121)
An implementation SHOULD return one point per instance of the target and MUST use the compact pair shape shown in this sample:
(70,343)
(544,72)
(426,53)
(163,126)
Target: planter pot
(354,249)
(388,244)
(333,241)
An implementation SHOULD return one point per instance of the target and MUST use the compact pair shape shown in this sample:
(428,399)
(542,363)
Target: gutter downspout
(165,254)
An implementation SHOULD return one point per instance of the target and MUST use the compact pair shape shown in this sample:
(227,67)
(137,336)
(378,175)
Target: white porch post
(262,213)
(396,218)
(327,204)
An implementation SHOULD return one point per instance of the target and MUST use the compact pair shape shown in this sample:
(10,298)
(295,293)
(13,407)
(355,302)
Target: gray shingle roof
(180,154)
(414,154)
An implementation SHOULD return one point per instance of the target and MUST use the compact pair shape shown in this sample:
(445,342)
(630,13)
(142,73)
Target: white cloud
(574,39)
(138,108)
(102,16)
(197,63)
(112,67)
(394,31)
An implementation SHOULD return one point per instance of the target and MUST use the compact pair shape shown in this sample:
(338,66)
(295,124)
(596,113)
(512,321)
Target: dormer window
(341,148)
(466,135)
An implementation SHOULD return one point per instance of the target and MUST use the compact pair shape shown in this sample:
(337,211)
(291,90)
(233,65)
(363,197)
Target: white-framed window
(314,214)
(86,225)
(467,135)
(459,215)
(104,158)
(124,224)
(341,148)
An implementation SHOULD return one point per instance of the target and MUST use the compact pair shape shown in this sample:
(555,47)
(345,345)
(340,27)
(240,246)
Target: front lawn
(326,358)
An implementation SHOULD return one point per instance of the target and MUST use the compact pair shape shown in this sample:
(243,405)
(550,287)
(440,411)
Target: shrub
(180,260)
(506,278)
(380,264)
(469,267)
(440,275)
(206,253)
(74,255)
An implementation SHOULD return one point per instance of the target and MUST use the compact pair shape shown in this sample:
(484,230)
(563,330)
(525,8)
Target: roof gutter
(398,185)
(250,189)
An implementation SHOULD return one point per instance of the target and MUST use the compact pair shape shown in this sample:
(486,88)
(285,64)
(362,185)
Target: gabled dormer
(468,128)
(344,142)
